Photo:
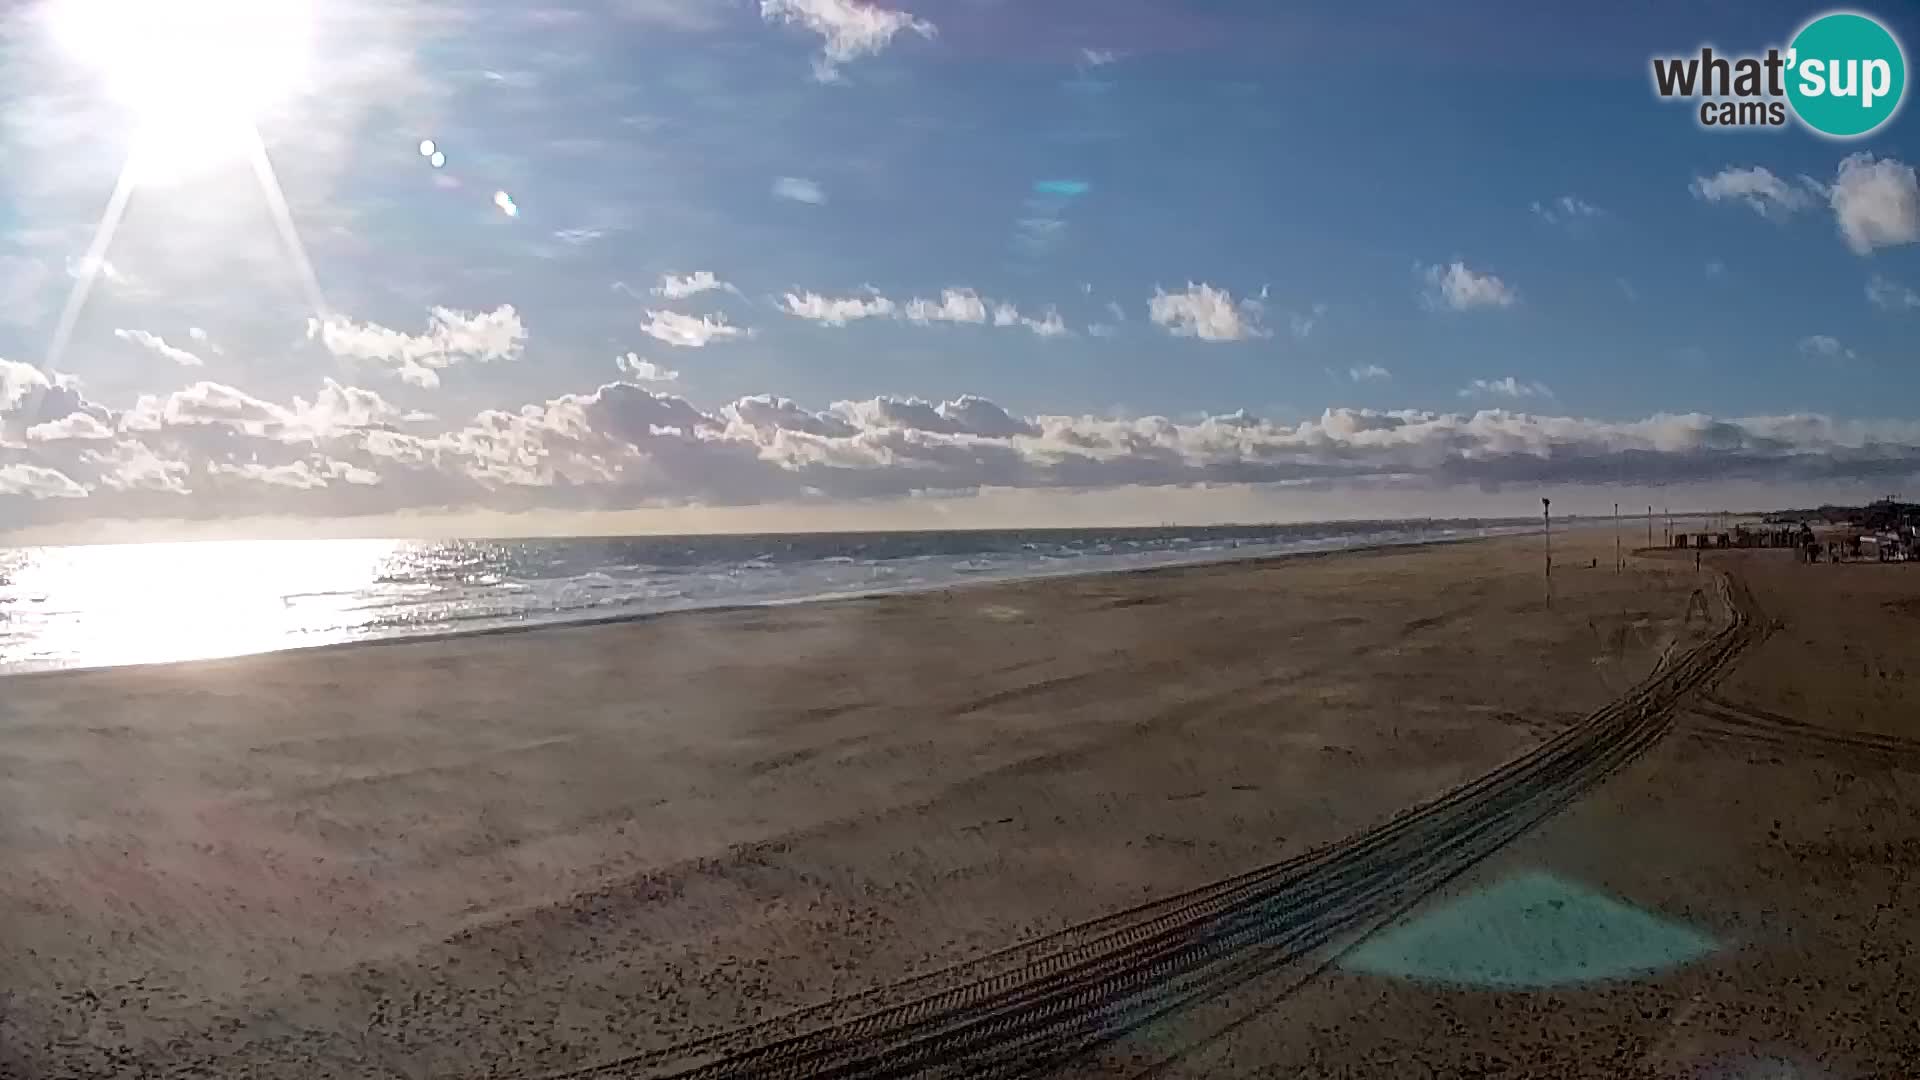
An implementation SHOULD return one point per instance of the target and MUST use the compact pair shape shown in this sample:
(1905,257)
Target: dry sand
(1781,819)
(523,852)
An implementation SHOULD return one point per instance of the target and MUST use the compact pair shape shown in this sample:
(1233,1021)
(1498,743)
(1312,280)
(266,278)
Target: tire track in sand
(1030,1008)
(1716,719)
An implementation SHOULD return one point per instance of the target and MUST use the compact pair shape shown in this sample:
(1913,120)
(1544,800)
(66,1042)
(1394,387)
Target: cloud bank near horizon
(209,450)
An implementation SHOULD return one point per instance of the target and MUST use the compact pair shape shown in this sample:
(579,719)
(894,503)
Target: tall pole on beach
(1649,526)
(1546,518)
(1616,538)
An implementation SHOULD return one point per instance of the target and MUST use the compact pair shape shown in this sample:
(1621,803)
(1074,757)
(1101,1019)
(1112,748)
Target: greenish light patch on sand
(1529,931)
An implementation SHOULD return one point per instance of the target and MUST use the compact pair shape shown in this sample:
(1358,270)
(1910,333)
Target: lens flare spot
(506,204)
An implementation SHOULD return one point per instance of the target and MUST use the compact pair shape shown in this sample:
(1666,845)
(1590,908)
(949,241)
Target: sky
(661,264)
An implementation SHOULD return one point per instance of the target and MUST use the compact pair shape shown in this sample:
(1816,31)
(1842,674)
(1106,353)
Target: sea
(109,605)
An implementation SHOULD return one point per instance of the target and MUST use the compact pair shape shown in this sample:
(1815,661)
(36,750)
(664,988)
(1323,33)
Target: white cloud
(1368,373)
(1049,325)
(1102,330)
(849,29)
(306,474)
(690,331)
(1890,295)
(954,306)
(1119,313)
(640,370)
(1508,387)
(452,337)
(133,466)
(799,189)
(679,287)
(1564,210)
(837,311)
(81,426)
(1207,313)
(1459,288)
(37,482)
(1098,57)
(1766,194)
(1824,347)
(212,450)
(157,345)
(1876,203)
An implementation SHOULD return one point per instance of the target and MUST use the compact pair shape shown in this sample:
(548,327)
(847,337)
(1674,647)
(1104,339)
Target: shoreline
(566,622)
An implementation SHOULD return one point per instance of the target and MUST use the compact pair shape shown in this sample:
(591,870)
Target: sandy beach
(525,853)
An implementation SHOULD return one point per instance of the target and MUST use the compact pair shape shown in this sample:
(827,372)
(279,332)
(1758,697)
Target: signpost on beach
(1546,518)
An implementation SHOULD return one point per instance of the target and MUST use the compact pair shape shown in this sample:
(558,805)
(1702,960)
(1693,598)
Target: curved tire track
(1031,1007)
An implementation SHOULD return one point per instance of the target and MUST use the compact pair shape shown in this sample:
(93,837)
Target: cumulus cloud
(209,450)
(1876,203)
(1508,387)
(797,189)
(1759,189)
(1890,295)
(35,482)
(1824,347)
(690,331)
(954,306)
(1456,287)
(681,286)
(848,29)
(30,398)
(837,311)
(639,370)
(158,346)
(1048,325)
(72,426)
(1368,373)
(1207,313)
(132,466)
(1564,210)
(452,337)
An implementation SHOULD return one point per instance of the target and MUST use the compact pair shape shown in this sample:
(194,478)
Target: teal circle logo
(1845,75)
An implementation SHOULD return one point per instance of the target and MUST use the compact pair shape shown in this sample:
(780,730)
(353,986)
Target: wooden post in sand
(1616,538)
(1546,517)
(1649,526)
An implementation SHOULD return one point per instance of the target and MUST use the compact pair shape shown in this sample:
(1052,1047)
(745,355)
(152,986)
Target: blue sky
(1471,226)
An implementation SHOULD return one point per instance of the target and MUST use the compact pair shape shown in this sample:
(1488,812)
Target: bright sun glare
(195,74)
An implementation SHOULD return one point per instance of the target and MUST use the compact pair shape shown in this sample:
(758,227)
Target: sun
(196,75)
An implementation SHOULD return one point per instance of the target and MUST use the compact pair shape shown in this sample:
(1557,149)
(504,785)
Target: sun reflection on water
(154,603)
